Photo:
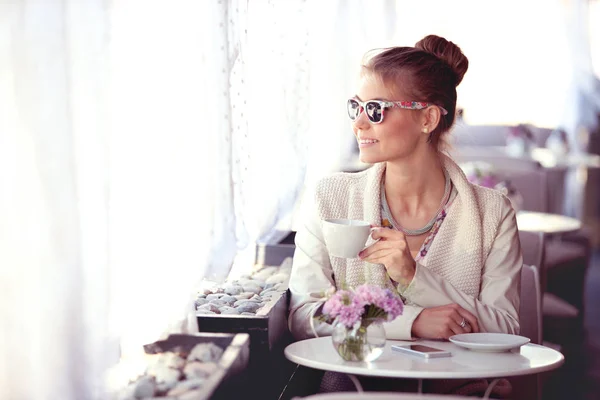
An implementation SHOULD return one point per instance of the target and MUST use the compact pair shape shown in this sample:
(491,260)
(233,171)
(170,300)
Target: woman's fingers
(470,318)
(375,255)
(378,247)
(455,328)
(458,320)
(388,234)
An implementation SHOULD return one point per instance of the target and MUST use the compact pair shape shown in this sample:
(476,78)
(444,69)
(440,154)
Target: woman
(449,247)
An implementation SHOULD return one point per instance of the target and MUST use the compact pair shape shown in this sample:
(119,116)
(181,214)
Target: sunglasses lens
(353,109)
(374,111)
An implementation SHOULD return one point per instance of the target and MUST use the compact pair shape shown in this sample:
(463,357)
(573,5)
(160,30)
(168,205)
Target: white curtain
(269,108)
(116,186)
(581,116)
(53,200)
(171,207)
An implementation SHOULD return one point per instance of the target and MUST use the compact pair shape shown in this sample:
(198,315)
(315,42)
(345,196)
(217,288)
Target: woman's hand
(392,251)
(443,322)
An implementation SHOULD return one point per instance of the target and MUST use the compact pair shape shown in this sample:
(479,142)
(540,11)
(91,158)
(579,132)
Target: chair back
(532,247)
(530,316)
(525,175)
(530,311)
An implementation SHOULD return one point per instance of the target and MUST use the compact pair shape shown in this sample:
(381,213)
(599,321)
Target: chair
(530,316)
(525,175)
(530,310)
(479,135)
(533,249)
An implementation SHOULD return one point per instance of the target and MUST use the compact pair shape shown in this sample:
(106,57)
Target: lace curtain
(142,146)
(54,274)
(581,116)
(116,182)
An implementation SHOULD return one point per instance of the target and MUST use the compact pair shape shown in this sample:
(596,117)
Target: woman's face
(400,133)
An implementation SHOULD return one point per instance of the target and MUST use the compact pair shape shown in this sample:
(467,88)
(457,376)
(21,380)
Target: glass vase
(360,343)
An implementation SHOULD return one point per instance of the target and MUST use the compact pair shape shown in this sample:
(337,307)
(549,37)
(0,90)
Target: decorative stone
(244,296)
(206,312)
(228,299)
(248,307)
(218,303)
(233,290)
(214,296)
(254,288)
(199,369)
(185,386)
(205,352)
(228,310)
(200,301)
(258,282)
(169,359)
(278,278)
(248,313)
(244,301)
(144,387)
(166,378)
(209,307)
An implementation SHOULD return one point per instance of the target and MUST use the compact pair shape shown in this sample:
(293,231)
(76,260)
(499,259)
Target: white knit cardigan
(474,261)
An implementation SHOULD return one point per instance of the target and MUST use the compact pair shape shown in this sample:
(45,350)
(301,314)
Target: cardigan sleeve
(496,307)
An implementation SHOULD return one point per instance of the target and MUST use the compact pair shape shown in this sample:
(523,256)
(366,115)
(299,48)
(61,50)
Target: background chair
(530,316)
(479,135)
(530,310)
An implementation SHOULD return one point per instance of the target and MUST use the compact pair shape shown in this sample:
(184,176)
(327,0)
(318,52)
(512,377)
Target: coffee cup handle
(369,239)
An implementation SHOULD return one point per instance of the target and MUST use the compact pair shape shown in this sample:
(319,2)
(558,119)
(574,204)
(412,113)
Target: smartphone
(421,350)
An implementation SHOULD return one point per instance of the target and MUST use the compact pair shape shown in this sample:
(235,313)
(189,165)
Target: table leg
(357,384)
(490,388)
(420,388)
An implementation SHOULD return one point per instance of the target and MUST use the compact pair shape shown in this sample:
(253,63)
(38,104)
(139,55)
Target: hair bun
(446,51)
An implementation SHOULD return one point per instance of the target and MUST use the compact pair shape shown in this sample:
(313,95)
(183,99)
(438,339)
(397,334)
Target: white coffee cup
(345,237)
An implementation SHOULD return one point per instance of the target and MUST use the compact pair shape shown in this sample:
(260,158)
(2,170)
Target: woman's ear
(431,119)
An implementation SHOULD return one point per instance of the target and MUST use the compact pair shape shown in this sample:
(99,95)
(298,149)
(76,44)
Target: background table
(546,223)
(319,353)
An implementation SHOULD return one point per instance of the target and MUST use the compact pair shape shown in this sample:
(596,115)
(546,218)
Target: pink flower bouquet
(357,316)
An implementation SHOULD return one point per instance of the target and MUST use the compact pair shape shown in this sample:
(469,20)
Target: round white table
(546,223)
(318,353)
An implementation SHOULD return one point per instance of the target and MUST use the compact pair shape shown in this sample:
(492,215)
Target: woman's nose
(362,121)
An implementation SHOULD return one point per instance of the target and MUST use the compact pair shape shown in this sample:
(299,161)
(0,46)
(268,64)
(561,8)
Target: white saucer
(489,342)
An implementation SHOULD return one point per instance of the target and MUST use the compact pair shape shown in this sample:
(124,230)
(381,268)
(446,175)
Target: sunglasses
(375,108)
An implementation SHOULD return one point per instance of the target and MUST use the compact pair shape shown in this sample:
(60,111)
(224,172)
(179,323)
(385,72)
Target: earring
(425,130)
